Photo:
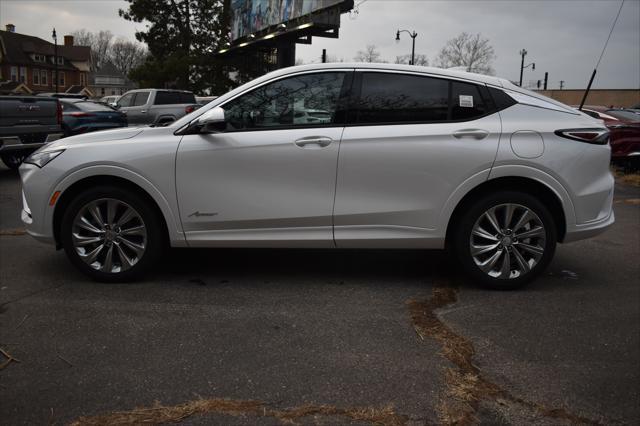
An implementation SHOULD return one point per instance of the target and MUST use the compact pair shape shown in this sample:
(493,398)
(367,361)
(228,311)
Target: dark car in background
(624,133)
(80,116)
(26,124)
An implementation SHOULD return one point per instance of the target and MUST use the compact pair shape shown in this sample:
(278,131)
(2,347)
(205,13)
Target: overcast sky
(564,38)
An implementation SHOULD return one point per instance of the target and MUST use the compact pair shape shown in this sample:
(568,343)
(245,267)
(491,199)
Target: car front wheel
(506,239)
(111,234)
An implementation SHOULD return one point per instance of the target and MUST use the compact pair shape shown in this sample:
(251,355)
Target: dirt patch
(159,414)
(466,387)
(12,232)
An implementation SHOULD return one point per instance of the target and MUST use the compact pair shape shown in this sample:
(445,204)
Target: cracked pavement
(327,331)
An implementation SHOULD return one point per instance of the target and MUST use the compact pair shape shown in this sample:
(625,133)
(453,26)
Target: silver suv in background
(156,106)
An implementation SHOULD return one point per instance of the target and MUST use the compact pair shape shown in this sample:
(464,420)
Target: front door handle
(471,133)
(314,142)
(143,111)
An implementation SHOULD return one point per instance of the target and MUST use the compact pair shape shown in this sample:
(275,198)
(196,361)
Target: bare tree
(100,42)
(419,59)
(470,51)
(370,54)
(126,55)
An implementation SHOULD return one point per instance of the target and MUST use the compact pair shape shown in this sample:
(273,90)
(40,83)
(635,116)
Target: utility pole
(546,79)
(523,53)
(413,36)
(55,55)
(561,84)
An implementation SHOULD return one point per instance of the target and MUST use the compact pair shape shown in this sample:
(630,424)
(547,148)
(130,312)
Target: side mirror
(212,121)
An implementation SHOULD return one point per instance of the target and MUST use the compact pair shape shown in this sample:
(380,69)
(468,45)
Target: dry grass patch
(159,414)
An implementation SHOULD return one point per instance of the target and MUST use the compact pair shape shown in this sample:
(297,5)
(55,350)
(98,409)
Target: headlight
(41,159)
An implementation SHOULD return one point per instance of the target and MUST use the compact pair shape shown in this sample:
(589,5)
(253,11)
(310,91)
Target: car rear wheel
(505,240)
(111,234)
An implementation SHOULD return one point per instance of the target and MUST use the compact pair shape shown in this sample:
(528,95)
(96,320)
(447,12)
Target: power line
(610,32)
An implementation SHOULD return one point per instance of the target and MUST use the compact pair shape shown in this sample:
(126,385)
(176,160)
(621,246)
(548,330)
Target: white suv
(410,157)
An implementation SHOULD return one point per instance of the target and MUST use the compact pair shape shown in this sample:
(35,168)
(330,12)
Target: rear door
(410,142)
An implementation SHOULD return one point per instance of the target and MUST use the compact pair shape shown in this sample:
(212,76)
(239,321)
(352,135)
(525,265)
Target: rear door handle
(471,133)
(314,142)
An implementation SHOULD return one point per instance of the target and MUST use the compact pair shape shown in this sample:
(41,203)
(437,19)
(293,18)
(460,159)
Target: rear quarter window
(172,98)
(466,101)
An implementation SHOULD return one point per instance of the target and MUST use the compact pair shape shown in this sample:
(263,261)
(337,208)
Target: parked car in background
(63,95)
(156,106)
(428,158)
(110,100)
(624,133)
(203,100)
(26,124)
(80,116)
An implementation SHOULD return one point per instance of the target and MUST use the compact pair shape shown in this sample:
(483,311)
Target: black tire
(150,218)
(14,160)
(462,235)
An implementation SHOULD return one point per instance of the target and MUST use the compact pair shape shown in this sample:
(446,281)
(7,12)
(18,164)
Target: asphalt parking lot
(320,337)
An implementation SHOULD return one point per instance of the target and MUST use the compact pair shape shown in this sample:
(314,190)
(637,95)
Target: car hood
(95,137)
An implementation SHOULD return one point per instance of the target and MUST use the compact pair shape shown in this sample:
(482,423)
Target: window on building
(39,58)
(23,74)
(61,79)
(102,91)
(36,77)
(60,60)
(44,80)
(14,73)
(113,92)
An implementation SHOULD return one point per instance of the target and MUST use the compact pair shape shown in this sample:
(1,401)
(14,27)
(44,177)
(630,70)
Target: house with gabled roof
(33,62)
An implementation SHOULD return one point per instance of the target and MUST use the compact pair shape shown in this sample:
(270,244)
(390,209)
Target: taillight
(189,109)
(82,114)
(594,136)
(59,112)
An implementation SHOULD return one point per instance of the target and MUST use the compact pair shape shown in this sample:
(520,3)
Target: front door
(269,179)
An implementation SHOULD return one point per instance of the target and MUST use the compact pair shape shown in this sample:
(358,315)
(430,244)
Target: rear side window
(397,98)
(466,101)
(400,98)
(172,98)
(141,98)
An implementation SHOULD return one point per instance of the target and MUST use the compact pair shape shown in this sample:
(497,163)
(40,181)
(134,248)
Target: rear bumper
(588,230)
(13,143)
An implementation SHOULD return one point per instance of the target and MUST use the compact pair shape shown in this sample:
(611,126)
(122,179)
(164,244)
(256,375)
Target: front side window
(304,100)
(124,101)
(397,98)
(141,99)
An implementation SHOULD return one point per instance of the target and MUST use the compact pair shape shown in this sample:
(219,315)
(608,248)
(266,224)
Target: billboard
(250,16)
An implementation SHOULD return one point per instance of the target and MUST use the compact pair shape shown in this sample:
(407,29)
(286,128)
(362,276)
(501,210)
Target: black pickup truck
(26,124)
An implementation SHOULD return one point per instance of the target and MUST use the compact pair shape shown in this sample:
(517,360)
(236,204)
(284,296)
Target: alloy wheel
(507,241)
(109,235)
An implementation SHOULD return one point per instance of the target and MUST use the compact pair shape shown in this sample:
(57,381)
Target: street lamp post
(55,55)
(413,35)
(523,53)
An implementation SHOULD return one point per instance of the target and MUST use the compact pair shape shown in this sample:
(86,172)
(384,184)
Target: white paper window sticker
(466,101)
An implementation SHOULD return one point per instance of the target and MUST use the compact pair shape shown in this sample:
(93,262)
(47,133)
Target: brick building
(31,61)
